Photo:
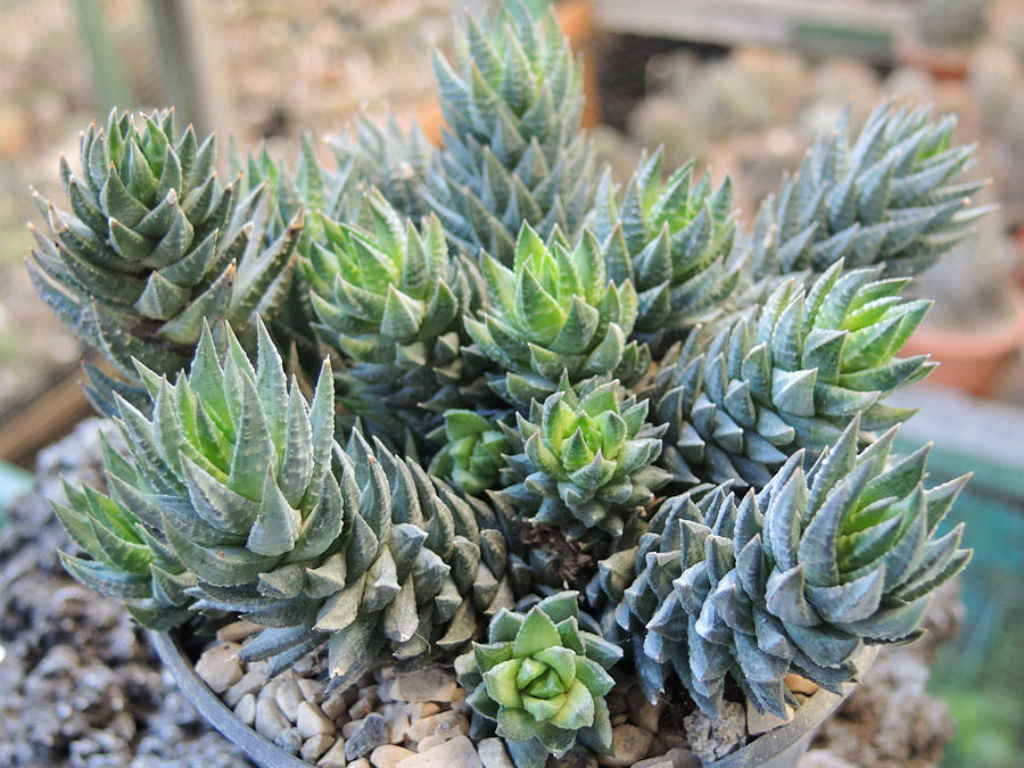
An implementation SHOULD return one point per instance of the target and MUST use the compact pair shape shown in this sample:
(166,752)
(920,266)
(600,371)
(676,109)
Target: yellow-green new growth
(542,681)
(553,313)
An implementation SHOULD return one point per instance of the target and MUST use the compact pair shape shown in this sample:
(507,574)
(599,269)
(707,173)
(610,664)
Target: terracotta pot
(781,748)
(970,361)
(576,18)
(940,63)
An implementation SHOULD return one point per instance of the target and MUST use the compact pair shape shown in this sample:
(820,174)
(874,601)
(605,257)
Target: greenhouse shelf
(868,28)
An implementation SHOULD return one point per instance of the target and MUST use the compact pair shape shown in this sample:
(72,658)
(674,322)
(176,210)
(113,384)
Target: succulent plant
(235,497)
(555,312)
(389,301)
(472,452)
(887,199)
(155,245)
(558,352)
(542,680)
(792,373)
(674,243)
(799,576)
(584,461)
(513,100)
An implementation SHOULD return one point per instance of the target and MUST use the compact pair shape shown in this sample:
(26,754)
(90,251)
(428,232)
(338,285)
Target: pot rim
(811,714)
(806,720)
(258,748)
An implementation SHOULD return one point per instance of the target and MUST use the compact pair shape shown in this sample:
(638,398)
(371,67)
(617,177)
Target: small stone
(629,743)
(424,745)
(334,705)
(712,738)
(430,684)
(269,691)
(620,719)
(443,722)
(312,690)
(316,746)
(422,710)
(371,733)
(245,709)
(269,719)
(682,758)
(288,698)
(290,740)
(311,721)
(617,703)
(654,762)
(351,727)
(398,724)
(335,756)
(762,722)
(388,755)
(642,712)
(237,631)
(251,682)
(219,667)
(800,684)
(657,748)
(577,757)
(493,754)
(362,707)
(362,762)
(454,752)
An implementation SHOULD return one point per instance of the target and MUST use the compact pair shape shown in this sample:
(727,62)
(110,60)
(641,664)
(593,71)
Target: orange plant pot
(970,361)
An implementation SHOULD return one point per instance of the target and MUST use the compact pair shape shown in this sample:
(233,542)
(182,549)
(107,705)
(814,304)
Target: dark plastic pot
(781,748)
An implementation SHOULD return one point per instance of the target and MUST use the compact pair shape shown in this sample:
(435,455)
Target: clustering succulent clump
(791,373)
(544,394)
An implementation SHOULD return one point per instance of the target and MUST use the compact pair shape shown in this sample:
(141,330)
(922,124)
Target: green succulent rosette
(889,197)
(542,680)
(798,577)
(555,312)
(514,151)
(583,461)
(674,241)
(790,374)
(155,245)
(389,301)
(472,452)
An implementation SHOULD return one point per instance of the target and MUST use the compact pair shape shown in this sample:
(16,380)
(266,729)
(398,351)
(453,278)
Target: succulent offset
(798,577)
(791,374)
(674,242)
(890,198)
(542,680)
(235,497)
(554,312)
(472,453)
(611,404)
(389,301)
(583,461)
(155,245)
(513,99)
